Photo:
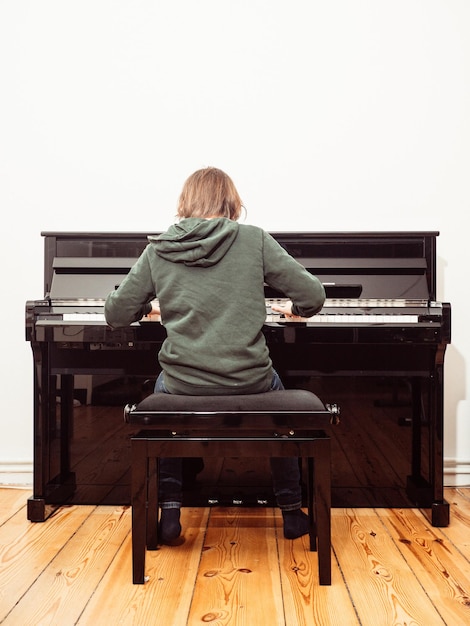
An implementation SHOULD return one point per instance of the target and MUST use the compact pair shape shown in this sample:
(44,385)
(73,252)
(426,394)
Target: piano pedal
(404,421)
(238,499)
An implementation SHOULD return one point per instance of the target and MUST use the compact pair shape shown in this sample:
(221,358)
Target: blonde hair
(209,192)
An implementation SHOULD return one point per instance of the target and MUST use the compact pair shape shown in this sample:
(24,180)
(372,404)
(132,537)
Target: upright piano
(377,349)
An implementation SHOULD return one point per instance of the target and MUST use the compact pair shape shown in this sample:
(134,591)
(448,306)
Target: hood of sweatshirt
(196,241)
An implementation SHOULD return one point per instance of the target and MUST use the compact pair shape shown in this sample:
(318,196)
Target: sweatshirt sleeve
(132,299)
(283,273)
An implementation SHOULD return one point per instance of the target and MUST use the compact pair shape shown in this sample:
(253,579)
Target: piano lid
(369,265)
(87,278)
(371,278)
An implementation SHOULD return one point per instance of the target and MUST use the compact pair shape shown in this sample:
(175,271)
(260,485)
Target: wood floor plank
(306,603)
(26,549)
(382,586)
(11,501)
(389,567)
(238,580)
(458,530)
(443,572)
(165,599)
(65,585)
(460,496)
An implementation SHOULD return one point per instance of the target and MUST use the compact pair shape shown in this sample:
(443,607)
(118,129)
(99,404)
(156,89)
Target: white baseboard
(456,473)
(16,474)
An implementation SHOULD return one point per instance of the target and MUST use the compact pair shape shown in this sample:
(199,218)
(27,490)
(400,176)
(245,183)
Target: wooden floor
(390,567)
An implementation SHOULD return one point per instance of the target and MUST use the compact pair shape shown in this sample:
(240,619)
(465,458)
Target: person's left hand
(155,309)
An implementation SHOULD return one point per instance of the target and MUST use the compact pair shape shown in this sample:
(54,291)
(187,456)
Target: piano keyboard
(322,318)
(345,318)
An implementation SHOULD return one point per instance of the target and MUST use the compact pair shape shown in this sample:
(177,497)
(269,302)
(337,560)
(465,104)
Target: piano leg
(428,494)
(416,425)
(38,510)
(440,511)
(50,492)
(440,514)
(66,421)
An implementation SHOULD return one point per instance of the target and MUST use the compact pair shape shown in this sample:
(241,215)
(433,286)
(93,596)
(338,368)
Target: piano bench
(286,423)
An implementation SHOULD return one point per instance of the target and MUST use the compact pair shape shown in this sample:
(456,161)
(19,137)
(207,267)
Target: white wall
(341,115)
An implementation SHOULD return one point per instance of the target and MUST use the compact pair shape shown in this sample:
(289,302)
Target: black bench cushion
(288,400)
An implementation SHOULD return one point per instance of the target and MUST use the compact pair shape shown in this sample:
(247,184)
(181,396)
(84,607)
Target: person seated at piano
(208,273)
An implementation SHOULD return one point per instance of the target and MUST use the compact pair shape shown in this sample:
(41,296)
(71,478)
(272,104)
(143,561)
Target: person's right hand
(285,309)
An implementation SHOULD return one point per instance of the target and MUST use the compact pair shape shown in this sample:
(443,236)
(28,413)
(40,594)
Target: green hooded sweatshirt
(209,277)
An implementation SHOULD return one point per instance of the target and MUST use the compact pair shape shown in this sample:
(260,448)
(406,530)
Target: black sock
(296,523)
(169,527)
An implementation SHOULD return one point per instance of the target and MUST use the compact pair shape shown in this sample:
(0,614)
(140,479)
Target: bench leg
(152,504)
(139,508)
(322,470)
(312,516)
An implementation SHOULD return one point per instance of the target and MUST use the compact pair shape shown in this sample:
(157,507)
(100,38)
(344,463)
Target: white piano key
(83,317)
(321,318)
(340,318)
